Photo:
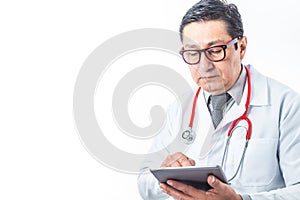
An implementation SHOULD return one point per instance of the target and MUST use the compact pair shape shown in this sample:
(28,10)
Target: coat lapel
(205,131)
(259,97)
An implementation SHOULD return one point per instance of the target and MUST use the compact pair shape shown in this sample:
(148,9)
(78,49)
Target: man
(214,46)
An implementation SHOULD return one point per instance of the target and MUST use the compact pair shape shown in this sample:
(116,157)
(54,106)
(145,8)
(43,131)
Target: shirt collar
(236,91)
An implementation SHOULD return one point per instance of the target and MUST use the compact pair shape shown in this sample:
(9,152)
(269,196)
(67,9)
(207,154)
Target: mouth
(209,78)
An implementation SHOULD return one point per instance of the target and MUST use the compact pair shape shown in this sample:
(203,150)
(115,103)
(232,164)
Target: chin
(216,91)
(213,89)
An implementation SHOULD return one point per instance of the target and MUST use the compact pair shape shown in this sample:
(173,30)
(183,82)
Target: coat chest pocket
(260,165)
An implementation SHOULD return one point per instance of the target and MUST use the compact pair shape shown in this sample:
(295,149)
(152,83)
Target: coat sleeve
(147,184)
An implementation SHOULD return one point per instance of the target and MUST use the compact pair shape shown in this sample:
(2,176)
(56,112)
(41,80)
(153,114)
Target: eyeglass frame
(224,47)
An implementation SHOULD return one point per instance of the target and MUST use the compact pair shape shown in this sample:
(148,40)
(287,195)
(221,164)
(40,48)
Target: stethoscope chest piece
(189,136)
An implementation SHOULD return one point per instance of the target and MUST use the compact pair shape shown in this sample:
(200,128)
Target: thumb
(214,182)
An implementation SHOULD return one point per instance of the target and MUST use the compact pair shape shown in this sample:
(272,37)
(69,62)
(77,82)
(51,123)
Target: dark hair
(206,10)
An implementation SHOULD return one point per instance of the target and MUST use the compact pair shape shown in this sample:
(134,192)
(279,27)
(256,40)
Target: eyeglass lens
(213,54)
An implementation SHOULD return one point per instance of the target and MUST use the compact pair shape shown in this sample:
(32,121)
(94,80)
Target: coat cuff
(245,197)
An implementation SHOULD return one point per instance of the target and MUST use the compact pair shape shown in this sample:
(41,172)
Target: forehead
(204,33)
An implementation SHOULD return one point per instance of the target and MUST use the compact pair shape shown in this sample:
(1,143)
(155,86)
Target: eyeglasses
(214,54)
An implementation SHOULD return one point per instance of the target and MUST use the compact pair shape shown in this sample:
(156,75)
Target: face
(213,77)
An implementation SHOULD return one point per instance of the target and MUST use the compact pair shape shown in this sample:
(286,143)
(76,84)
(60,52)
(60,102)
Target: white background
(42,47)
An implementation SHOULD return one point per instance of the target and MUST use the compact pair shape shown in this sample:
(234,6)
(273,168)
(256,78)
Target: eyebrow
(192,45)
(214,42)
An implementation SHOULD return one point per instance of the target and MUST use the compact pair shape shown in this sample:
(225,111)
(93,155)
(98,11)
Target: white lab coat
(271,168)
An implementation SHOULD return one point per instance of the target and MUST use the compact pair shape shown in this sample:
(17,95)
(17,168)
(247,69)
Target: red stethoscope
(189,135)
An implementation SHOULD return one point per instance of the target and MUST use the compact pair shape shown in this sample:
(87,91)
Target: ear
(242,46)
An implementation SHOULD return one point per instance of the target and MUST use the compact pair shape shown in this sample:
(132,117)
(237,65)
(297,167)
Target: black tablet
(194,176)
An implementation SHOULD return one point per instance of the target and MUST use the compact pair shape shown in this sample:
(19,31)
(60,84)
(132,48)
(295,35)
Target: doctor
(262,157)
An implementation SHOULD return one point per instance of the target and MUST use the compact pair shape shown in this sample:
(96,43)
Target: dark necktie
(218,102)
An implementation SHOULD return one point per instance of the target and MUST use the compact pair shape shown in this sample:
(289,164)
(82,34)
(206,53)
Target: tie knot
(218,101)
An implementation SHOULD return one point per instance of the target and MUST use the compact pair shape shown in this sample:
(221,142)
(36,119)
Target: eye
(214,50)
(192,53)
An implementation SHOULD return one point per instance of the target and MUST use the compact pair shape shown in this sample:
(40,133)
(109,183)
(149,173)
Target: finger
(170,162)
(163,187)
(185,161)
(174,160)
(176,194)
(186,189)
(177,156)
(177,160)
(176,163)
(193,163)
(221,189)
(216,183)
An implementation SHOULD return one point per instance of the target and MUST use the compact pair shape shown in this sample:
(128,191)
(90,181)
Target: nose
(205,64)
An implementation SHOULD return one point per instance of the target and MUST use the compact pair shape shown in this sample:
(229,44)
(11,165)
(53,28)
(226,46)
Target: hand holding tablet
(192,175)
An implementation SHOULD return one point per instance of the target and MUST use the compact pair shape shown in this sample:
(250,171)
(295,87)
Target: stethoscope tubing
(234,123)
(189,136)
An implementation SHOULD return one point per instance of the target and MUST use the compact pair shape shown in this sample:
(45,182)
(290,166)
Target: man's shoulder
(273,84)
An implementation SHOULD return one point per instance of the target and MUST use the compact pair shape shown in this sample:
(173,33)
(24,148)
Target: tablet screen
(194,176)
